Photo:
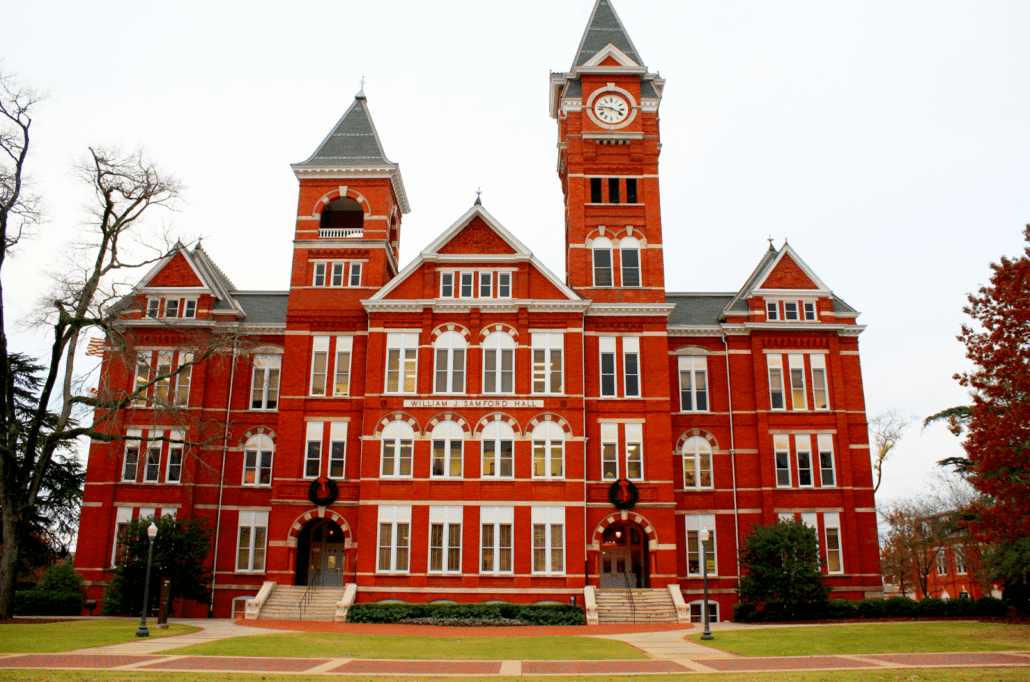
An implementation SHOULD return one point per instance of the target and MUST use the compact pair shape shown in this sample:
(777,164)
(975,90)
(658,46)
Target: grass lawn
(49,638)
(336,645)
(883,675)
(876,638)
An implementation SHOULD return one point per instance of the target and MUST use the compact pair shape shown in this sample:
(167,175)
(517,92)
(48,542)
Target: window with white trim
(548,376)
(344,348)
(697,463)
(781,448)
(606,345)
(355,274)
(697,616)
(495,539)
(183,379)
(941,561)
(448,439)
(548,450)
(153,307)
(695,522)
(609,451)
(257,460)
(450,363)
(467,281)
(171,307)
(775,363)
(809,311)
(631,366)
(498,439)
(446,285)
(503,285)
(772,312)
(796,362)
(123,515)
(486,285)
(251,541)
(394,539)
(602,252)
(337,449)
(790,311)
(693,383)
(140,383)
(398,437)
(634,451)
(827,476)
(445,539)
(338,270)
(319,364)
(834,555)
(313,449)
(820,395)
(163,376)
(498,363)
(803,445)
(548,540)
(958,552)
(130,461)
(629,252)
(173,471)
(152,468)
(401,362)
(264,392)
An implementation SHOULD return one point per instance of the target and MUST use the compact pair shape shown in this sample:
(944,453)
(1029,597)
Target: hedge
(902,607)
(960,606)
(991,607)
(872,607)
(840,609)
(931,606)
(59,592)
(529,614)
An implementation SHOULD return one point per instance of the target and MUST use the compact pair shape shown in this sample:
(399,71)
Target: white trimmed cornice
(656,309)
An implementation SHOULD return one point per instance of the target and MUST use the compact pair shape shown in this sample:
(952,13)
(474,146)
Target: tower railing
(340,232)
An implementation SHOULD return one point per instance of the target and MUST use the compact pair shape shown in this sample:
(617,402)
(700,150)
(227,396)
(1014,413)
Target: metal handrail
(308,593)
(632,604)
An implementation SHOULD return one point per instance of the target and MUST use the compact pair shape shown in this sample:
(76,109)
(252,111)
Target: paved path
(212,629)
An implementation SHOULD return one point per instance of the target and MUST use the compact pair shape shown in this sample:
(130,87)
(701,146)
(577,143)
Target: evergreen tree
(780,564)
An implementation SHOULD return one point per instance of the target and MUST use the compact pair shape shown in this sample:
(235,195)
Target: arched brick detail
(696,432)
(617,235)
(549,417)
(316,513)
(499,327)
(332,195)
(257,431)
(448,417)
(396,416)
(497,416)
(631,515)
(452,327)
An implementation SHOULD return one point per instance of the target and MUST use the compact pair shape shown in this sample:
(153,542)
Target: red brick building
(469,426)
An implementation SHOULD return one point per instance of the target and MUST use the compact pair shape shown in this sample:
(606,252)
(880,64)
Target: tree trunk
(9,563)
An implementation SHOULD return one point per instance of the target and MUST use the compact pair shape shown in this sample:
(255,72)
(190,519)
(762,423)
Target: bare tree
(887,430)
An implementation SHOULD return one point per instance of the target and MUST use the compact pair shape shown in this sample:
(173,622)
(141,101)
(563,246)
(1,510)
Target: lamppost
(707,634)
(143,631)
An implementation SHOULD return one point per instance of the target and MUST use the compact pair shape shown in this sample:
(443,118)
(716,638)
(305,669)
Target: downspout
(733,459)
(583,392)
(221,480)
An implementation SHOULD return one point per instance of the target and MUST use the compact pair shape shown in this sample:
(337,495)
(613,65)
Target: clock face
(611,108)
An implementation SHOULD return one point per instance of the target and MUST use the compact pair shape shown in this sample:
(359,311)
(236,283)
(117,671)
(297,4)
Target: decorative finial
(479,199)
(361,91)
(771,247)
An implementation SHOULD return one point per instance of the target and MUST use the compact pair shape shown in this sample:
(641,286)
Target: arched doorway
(624,561)
(321,559)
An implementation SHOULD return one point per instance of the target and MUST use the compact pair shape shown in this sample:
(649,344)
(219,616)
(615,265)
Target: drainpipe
(583,392)
(221,480)
(733,458)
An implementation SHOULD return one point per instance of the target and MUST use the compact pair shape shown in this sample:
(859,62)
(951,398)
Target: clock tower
(606,106)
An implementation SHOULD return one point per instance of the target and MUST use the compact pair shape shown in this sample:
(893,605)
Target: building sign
(490,403)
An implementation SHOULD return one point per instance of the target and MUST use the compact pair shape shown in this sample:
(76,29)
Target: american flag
(96,347)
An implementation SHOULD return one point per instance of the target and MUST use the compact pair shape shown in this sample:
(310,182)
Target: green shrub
(59,592)
(839,609)
(960,606)
(872,607)
(530,614)
(931,606)
(743,612)
(991,607)
(902,607)
(776,612)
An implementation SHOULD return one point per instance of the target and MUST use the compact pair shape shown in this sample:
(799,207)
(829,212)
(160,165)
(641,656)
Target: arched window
(397,440)
(450,363)
(343,217)
(447,441)
(602,248)
(498,450)
(697,463)
(629,253)
(257,460)
(499,363)
(548,451)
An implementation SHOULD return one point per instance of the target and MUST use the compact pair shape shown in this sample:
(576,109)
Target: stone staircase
(635,606)
(284,603)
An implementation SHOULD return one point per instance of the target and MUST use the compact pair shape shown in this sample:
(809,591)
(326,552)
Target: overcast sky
(888,141)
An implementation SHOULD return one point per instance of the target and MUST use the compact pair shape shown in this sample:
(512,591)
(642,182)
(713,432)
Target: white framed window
(693,383)
(143,377)
(189,308)
(495,539)
(264,392)
(548,376)
(486,285)
(809,311)
(338,270)
(152,469)
(171,307)
(467,280)
(820,394)
(629,252)
(130,461)
(162,389)
(173,470)
(394,539)
(398,437)
(631,366)
(796,362)
(319,278)
(634,451)
(251,541)
(446,285)
(803,446)
(183,379)
(257,460)
(355,275)
(313,449)
(775,363)
(450,363)
(344,348)
(697,463)
(606,345)
(153,307)
(445,539)
(790,311)
(448,439)
(337,449)
(123,515)
(602,251)
(827,476)
(401,362)
(609,451)
(772,310)
(498,363)
(319,364)
(940,560)
(696,614)
(548,540)
(548,450)
(834,553)
(503,285)
(781,448)
(498,441)
(959,554)
(695,522)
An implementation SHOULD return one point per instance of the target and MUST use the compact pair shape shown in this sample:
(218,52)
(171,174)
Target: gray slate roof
(605,27)
(353,141)
(697,309)
(739,303)
(647,90)
(266,307)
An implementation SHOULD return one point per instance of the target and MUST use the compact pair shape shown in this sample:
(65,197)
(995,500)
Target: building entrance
(321,559)
(624,560)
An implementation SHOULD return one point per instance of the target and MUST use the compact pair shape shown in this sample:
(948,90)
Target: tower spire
(605,28)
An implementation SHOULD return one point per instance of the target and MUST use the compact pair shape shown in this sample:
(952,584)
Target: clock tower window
(631,190)
(602,250)
(595,191)
(613,190)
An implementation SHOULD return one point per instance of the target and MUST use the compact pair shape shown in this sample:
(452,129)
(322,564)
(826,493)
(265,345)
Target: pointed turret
(604,29)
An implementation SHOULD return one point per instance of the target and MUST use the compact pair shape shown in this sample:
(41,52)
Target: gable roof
(605,28)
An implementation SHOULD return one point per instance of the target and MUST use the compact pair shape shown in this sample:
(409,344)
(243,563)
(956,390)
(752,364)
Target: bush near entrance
(469,614)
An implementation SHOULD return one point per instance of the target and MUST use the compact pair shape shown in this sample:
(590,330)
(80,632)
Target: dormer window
(172,307)
(446,285)
(772,311)
(790,310)
(503,285)
(153,307)
(189,308)
(466,285)
(809,311)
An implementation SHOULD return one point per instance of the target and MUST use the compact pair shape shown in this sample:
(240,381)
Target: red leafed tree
(998,425)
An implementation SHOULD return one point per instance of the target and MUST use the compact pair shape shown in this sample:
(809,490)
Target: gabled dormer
(183,286)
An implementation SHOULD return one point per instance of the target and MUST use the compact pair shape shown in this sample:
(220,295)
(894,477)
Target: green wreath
(323,491)
(631,494)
